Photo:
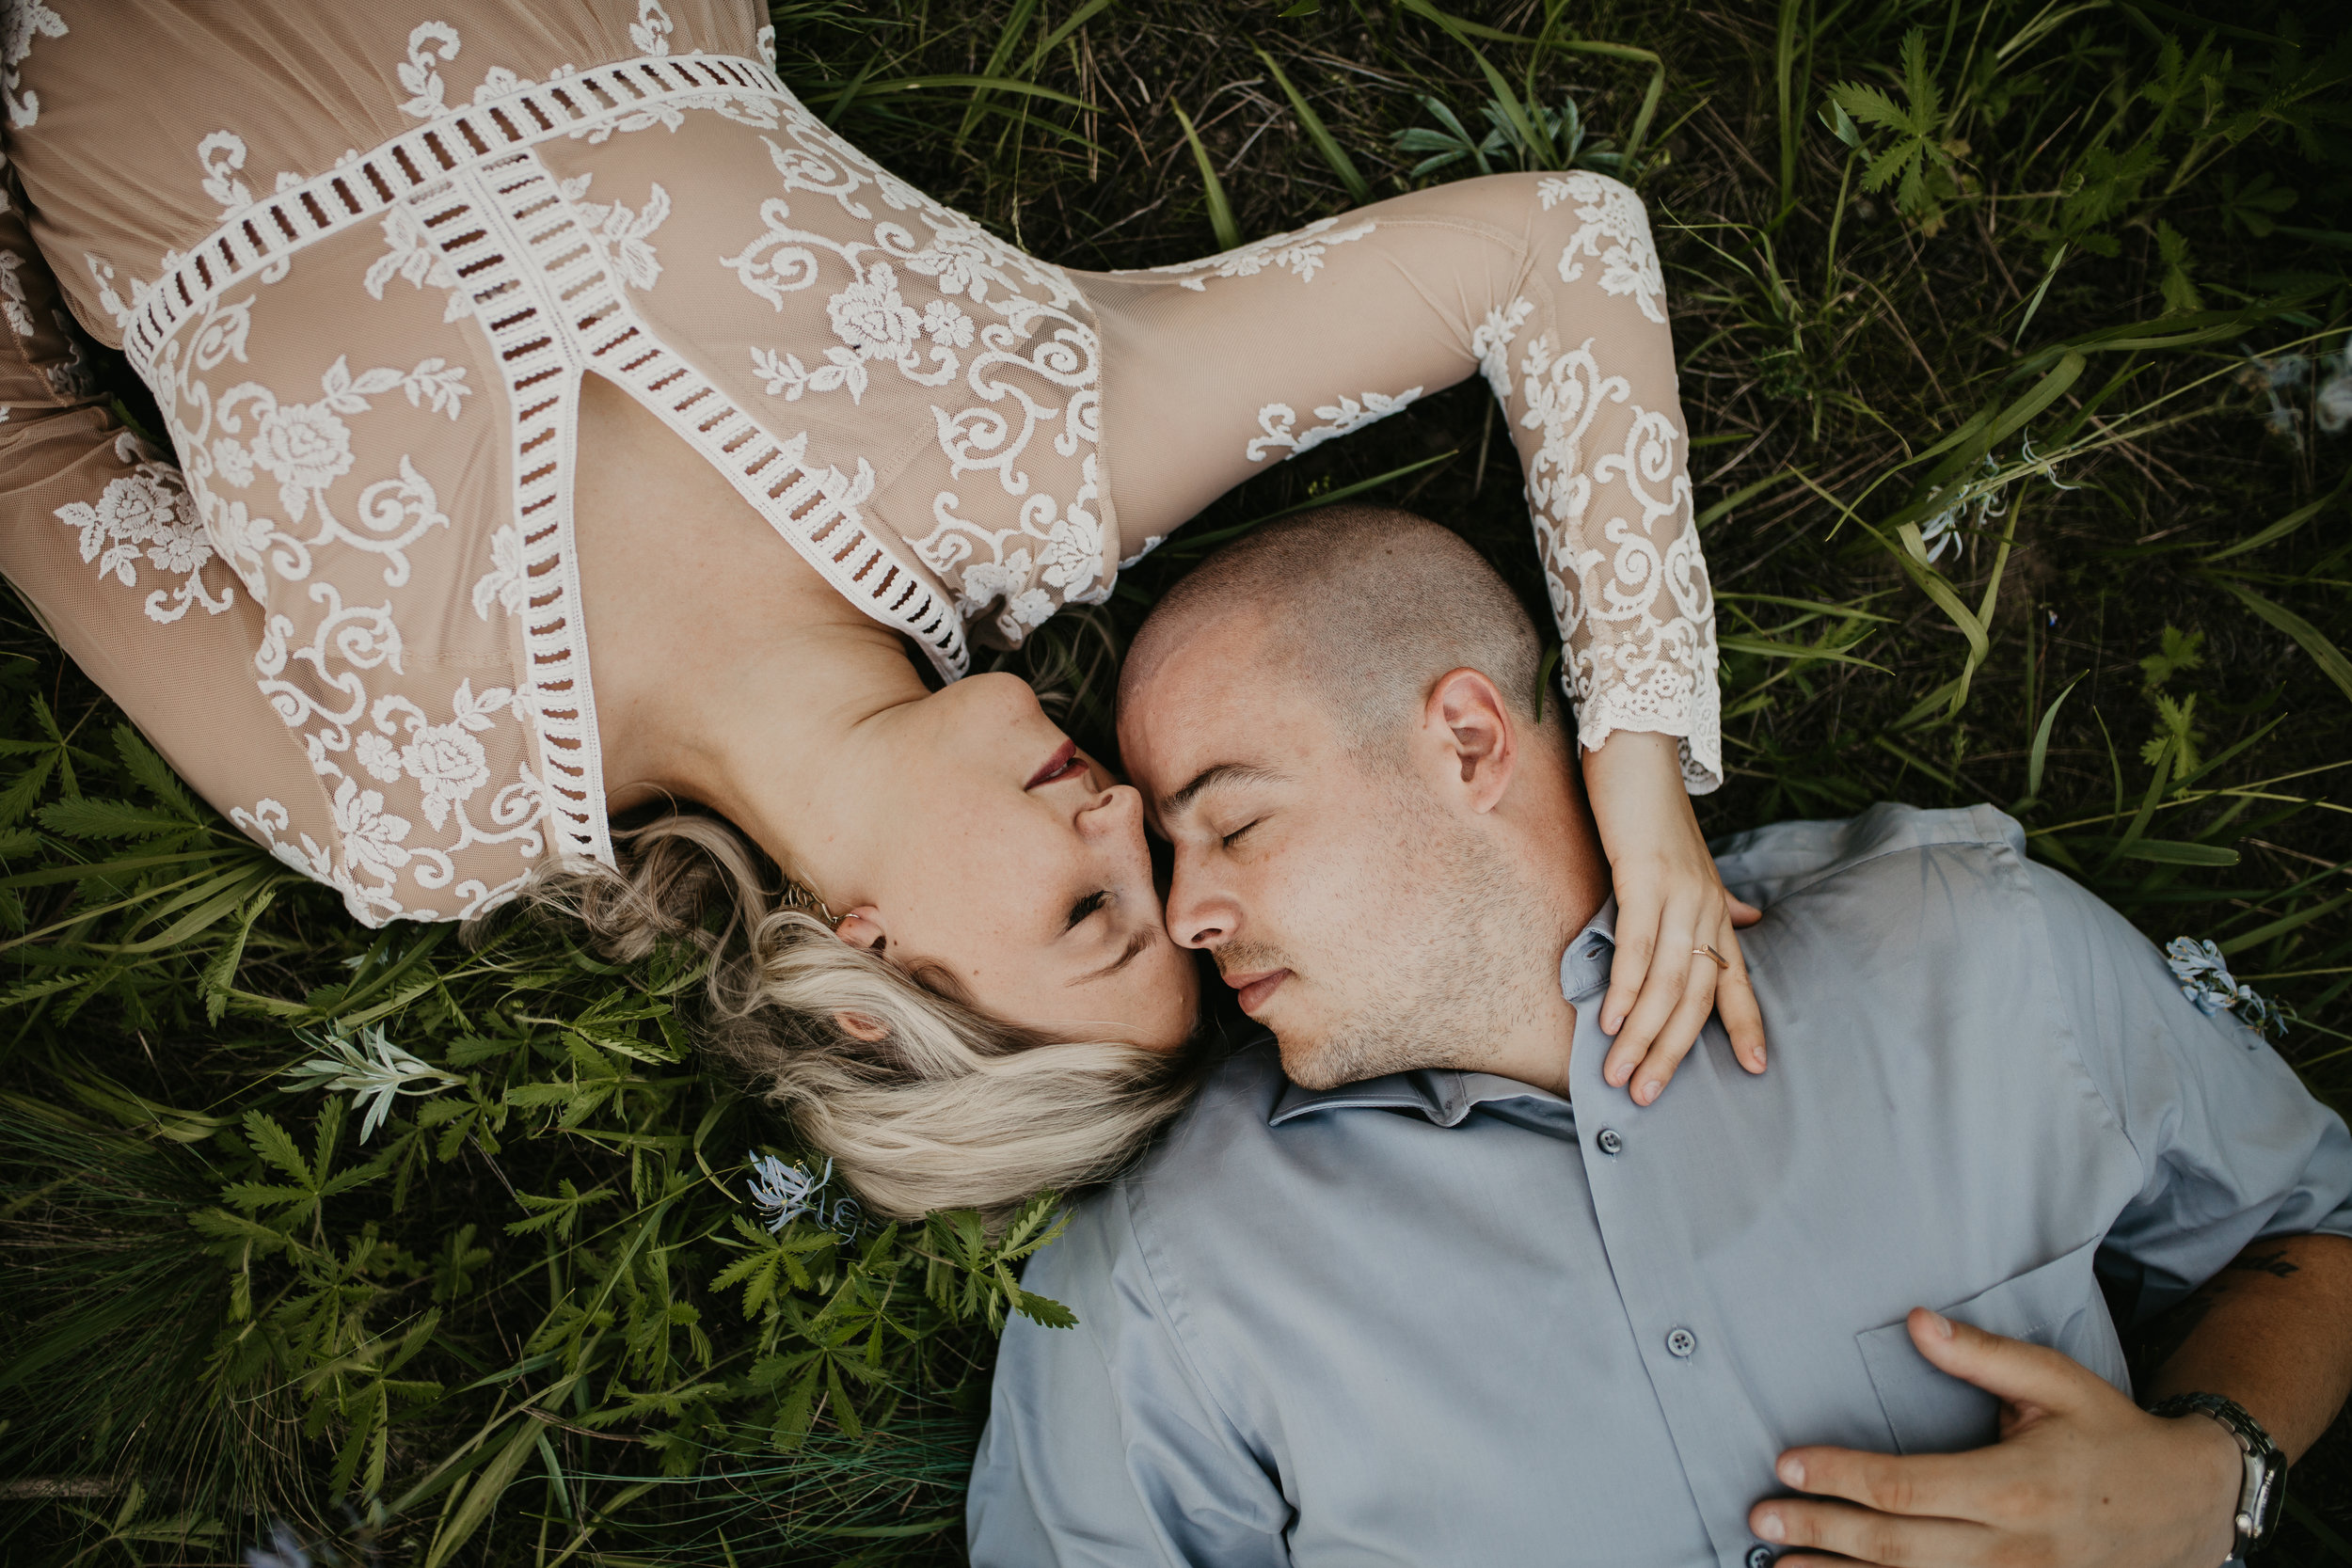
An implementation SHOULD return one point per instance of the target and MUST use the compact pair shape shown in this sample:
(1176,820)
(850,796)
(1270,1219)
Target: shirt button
(1681,1343)
(1610,1142)
(1759,1557)
(1597,949)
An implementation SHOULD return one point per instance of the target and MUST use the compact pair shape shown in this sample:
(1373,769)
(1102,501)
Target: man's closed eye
(1233,838)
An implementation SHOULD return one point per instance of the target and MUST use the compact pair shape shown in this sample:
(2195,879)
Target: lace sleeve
(97,535)
(1582,360)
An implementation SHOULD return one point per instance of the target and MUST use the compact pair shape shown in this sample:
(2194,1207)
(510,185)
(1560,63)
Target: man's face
(1333,889)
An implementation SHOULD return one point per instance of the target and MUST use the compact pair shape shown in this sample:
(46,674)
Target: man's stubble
(1450,951)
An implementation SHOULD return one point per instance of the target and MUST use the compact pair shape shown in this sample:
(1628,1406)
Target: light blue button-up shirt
(1444,1318)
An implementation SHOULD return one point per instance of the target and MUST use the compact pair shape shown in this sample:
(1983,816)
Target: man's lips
(1254,990)
(1063,762)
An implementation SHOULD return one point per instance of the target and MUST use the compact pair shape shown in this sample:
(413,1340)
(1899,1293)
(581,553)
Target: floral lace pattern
(1636,618)
(317,679)
(14,309)
(1616,234)
(1002,336)
(1302,251)
(1277,422)
(145,515)
(21,23)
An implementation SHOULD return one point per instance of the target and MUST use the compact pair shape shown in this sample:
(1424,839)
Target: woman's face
(1016,863)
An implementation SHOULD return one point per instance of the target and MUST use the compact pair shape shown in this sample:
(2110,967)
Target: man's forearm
(2272,1331)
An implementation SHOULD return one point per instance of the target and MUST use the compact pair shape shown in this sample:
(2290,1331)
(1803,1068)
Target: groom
(1422,1290)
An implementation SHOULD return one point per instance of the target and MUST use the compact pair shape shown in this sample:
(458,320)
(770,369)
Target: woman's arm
(1548,286)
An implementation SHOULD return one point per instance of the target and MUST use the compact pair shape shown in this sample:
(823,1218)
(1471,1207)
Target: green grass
(2016,280)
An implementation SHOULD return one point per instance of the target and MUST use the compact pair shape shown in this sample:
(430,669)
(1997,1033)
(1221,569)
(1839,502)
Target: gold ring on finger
(1721,962)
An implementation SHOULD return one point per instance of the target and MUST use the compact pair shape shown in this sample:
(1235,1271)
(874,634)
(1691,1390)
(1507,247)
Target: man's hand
(2081,1477)
(1671,902)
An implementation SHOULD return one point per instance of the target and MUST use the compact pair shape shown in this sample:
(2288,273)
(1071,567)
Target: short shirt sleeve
(2233,1147)
(1101,1449)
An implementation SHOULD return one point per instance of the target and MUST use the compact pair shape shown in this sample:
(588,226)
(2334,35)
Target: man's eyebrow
(1223,773)
(1135,944)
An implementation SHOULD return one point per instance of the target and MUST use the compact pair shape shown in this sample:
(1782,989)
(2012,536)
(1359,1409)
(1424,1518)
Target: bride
(498,344)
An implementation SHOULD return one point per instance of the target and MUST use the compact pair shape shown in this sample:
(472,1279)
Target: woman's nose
(1117,810)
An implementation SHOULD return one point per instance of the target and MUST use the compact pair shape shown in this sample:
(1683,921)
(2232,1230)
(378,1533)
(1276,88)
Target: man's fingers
(1677,1034)
(1943,1487)
(1742,913)
(2009,1369)
(1865,1535)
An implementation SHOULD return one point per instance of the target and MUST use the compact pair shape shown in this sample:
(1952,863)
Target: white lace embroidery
(1615,233)
(1302,252)
(764,43)
(222,154)
(650,32)
(146,514)
(21,22)
(73,379)
(306,447)
(1491,341)
(1010,329)
(619,233)
(507,583)
(14,309)
(1276,420)
(409,253)
(419,78)
(1628,666)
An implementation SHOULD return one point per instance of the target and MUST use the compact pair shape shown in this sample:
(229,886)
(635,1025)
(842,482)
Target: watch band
(2263,1492)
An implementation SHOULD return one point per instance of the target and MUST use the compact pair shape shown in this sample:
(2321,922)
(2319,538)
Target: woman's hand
(1670,903)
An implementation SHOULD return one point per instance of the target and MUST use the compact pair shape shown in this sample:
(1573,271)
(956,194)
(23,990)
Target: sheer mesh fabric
(364,255)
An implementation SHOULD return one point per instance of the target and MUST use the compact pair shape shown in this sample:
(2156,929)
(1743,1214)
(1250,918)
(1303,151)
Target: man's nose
(1198,914)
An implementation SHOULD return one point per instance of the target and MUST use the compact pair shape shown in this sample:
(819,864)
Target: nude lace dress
(364,254)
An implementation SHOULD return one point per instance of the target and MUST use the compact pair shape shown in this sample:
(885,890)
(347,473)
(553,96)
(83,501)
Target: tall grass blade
(1221,211)
(2309,638)
(1333,153)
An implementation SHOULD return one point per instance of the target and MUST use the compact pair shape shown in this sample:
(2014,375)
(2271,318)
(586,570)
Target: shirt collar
(1584,967)
(1444,1095)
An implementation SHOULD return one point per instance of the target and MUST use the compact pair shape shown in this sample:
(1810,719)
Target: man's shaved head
(1333,723)
(1369,605)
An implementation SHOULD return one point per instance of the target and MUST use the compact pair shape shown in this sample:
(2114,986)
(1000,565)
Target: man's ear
(1471,725)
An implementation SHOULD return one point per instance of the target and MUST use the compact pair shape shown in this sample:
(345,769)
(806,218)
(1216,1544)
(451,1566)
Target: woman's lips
(1254,990)
(1063,762)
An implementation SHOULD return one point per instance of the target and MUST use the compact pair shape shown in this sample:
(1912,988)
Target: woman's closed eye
(1087,905)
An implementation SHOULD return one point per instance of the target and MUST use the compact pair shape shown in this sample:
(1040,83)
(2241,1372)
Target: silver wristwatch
(2263,1493)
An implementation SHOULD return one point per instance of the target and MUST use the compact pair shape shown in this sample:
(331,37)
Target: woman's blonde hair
(948,1106)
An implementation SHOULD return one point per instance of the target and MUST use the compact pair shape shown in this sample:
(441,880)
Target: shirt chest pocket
(2058,1305)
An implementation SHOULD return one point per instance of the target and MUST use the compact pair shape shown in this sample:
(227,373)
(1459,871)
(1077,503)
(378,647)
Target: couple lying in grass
(498,344)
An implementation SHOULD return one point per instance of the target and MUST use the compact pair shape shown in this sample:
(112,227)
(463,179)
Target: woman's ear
(859,1026)
(863,928)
